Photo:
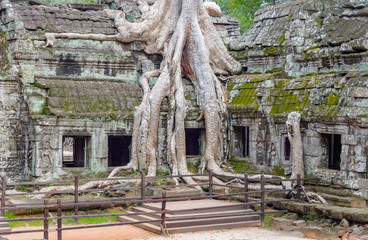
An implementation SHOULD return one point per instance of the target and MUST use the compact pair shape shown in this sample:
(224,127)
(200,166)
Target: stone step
(195,209)
(196,204)
(5,229)
(4,224)
(195,222)
(194,213)
(157,229)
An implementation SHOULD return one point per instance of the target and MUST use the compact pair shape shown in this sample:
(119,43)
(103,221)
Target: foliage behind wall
(243,10)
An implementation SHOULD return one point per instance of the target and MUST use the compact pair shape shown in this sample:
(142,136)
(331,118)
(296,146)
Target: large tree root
(182,31)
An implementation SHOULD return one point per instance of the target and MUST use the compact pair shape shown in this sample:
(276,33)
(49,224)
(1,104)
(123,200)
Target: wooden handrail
(77,203)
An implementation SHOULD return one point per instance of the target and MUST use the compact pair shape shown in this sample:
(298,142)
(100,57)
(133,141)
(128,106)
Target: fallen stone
(299,223)
(344,223)
(342,232)
(345,237)
(288,228)
(357,231)
(291,216)
(279,222)
(315,232)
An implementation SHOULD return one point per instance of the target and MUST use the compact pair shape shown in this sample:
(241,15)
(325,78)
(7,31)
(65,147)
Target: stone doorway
(193,140)
(119,150)
(241,141)
(75,151)
(333,144)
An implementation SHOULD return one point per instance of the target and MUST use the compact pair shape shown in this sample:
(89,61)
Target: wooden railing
(46,206)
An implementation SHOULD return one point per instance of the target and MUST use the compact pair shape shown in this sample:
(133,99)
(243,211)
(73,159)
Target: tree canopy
(243,10)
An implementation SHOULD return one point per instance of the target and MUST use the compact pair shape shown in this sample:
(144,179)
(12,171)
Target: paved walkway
(131,232)
(105,233)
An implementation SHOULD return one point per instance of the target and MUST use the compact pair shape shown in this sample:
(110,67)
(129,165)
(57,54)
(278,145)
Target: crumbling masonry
(71,106)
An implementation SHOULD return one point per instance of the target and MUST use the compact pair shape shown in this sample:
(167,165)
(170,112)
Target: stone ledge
(352,214)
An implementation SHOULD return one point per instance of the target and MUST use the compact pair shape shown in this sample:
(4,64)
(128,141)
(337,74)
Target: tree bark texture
(182,31)
(295,137)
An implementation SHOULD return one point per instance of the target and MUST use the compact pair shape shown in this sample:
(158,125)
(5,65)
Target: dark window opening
(333,150)
(75,151)
(241,141)
(119,150)
(193,142)
(287,149)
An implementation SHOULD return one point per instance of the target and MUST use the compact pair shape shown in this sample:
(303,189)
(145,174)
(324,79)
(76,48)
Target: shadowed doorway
(119,150)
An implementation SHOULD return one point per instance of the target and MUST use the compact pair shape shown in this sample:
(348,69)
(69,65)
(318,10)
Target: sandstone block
(344,223)
(358,203)
(279,222)
(316,233)
(299,223)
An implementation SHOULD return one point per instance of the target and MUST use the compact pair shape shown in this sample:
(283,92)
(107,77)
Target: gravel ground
(234,234)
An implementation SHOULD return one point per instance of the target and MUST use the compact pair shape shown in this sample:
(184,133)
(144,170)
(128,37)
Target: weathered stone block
(349,139)
(278,223)
(299,223)
(358,203)
(316,233)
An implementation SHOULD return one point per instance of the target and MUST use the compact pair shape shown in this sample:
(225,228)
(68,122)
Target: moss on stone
(282,39)
(270,51)
(274,70)
(319,21)
(4,59)
(239,166)
(332,99)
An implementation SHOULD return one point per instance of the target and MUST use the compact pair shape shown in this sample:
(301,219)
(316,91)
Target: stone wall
(306,36)
(78,88)
(310,57)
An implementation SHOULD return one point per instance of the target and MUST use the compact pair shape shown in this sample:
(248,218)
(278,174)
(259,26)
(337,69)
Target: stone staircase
(4,226)
(216,218)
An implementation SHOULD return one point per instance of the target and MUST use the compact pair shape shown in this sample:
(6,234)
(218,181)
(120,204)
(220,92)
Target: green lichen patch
(332,99)
(273,51)
(4,58)
(319,21)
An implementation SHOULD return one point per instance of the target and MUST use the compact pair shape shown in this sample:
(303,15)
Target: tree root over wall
(183,33)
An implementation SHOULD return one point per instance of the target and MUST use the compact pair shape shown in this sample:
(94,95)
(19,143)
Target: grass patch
(278,171)
(239,166)
(69,221)
(267,223)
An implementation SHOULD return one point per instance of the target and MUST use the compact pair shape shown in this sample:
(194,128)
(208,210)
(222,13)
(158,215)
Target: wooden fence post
(210,182)
(299,188)
(59,220)
(163,213)
(143,185)
(246,190)
(3,195)
(46,220)
(263,198)
(76,198)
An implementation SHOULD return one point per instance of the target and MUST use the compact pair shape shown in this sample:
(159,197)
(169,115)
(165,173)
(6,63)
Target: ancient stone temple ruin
(70,106)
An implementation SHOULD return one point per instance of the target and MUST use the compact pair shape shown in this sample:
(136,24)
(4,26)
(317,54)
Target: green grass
(267,222)
(130,174)
(239,166)
(69,221)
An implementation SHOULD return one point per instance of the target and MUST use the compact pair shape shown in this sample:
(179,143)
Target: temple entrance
(241,141)
(119,150)
(333,144)
(75,151)
(193,141)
